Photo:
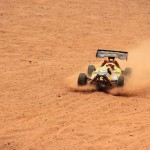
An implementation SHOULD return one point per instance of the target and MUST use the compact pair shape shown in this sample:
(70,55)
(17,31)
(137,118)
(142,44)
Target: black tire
(91,68)
(128,71)
(120,81)
(82,79)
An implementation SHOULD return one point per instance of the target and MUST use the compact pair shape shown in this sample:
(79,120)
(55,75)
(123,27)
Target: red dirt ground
(42,43)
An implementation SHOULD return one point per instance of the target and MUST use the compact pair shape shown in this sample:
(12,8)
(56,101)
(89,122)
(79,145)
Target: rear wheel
(120,81)
(82,79)
(128,71)
(91,68)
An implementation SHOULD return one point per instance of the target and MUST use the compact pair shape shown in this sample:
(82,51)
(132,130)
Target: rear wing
(112,53)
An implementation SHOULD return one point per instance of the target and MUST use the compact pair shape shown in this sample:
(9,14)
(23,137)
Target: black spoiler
(112,53)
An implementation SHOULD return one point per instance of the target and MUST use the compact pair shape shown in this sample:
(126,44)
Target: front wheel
(82,79)
(120,81)
(128,71)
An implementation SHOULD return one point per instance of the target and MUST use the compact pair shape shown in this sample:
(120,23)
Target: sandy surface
(42,43)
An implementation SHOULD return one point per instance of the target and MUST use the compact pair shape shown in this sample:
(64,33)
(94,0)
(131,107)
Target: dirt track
(44,42)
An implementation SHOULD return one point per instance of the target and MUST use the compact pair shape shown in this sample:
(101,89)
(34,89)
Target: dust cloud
(139,81)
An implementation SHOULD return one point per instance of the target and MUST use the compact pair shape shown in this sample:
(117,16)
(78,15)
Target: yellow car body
(103,70)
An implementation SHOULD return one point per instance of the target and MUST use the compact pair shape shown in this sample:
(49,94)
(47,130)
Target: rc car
(109,74)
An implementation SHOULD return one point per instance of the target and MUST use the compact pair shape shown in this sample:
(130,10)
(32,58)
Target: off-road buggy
(109,74)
